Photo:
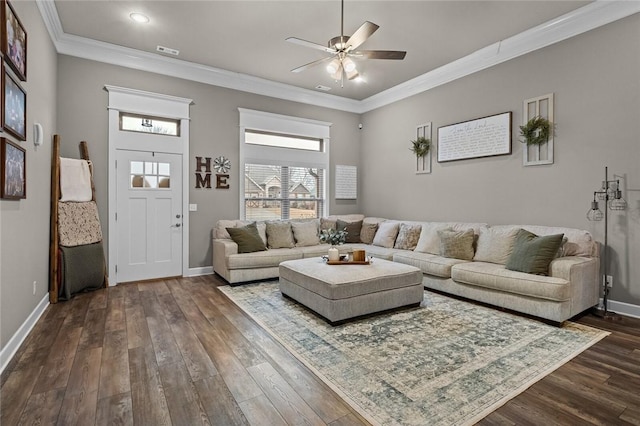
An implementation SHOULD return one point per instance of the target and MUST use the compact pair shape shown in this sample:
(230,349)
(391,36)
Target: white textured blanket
(75,180)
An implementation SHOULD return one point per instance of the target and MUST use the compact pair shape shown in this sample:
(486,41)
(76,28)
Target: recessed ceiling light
(139,17)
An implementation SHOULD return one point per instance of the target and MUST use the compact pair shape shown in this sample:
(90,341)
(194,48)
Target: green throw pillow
(533,254)
(247,238)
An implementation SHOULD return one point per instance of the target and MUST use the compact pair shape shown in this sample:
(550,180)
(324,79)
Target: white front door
(149,215)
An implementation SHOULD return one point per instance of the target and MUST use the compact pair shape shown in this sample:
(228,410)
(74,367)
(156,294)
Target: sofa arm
(222,249)
(583,273)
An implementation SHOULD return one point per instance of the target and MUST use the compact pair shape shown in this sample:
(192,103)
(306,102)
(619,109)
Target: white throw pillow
(429,241)
(495,245)
(386,234)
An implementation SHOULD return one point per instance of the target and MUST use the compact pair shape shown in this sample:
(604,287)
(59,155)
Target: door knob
(178,216)
(177,225)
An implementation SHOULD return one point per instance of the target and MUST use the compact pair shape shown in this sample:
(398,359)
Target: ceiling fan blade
(361,35)
(310,44)
(378,54)
(312,64)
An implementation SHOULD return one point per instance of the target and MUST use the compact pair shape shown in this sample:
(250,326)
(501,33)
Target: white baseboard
(624,308)
(12,346)
(204,270)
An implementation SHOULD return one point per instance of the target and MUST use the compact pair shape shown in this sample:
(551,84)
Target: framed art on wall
(481,137)
(14,40)
(13,173)
(14,107)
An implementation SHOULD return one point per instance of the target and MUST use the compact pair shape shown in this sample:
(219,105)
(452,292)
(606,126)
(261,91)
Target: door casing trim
(159,105)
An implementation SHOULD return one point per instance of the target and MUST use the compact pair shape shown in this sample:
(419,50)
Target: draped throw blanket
(78,223)
(75,180)
(82,269)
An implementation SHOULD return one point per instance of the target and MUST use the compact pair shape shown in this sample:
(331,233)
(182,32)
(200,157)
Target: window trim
(282,124)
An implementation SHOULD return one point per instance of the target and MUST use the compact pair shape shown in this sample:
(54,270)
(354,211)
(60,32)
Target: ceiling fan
(343,48)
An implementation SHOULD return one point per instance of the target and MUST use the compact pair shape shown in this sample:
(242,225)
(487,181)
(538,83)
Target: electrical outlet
(34,287)
(609,281)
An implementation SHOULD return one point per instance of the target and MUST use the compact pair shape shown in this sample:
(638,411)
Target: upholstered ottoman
(340,292)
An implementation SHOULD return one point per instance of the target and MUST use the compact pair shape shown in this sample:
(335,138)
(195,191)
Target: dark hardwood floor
(178,352)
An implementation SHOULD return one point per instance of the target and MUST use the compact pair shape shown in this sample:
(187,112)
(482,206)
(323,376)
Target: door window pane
(150,175)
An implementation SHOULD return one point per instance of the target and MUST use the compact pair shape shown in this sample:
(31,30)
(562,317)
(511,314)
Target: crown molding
(571,24)
(586,18)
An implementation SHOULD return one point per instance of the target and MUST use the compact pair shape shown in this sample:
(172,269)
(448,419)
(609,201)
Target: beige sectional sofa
(572,284)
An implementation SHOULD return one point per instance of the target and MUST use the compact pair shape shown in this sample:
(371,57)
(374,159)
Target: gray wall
(214,131)
(595,78)
(24,224)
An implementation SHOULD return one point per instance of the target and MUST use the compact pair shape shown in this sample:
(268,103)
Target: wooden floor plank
(93,329)
(42,408)
(260,411)
(236,377)
(16,392)
(78,409)
(85,372)
(219,403)
(115,410)
(114,370)
(115,319)
(56,369)
(288,403)
(137,328)
(182,397)
(193,353)
(148,400)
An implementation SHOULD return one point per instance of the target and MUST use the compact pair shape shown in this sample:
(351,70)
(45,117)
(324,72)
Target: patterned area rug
(447,362)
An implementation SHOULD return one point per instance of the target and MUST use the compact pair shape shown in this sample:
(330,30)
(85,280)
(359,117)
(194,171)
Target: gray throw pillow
(306,233)
(352,229)
(533,254)
(247,238)
(279,235)
(457,244)
(368,232)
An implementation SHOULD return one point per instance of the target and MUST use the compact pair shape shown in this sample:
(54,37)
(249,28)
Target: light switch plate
(193,207)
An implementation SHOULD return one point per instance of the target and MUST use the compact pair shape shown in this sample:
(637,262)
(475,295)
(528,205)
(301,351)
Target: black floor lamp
(612,196)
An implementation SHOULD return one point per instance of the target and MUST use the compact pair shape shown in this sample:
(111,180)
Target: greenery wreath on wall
(536,131)
(420,147)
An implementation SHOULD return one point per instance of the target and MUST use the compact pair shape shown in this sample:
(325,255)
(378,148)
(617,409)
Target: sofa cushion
(533,254)
(456,244)
(279,234)
(429,241)
(247,238)
(579,242)
(386,234)
(329,222)
(262,259)
(430,264)
(352,229)
(495,245)
(220,231)
(497,277)
(408,236)
(306,233)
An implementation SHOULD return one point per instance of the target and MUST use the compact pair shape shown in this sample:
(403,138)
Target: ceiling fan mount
(342,50)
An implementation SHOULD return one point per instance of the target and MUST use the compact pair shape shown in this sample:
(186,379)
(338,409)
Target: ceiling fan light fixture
(334,66)
(349,65)
(139,17)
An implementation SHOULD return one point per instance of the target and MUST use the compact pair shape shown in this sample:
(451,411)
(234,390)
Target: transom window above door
(147,124)
(150,175)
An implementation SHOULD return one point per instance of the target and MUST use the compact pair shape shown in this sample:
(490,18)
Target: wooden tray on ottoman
(348,262)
